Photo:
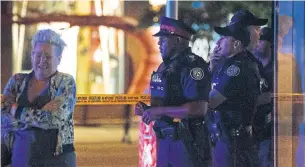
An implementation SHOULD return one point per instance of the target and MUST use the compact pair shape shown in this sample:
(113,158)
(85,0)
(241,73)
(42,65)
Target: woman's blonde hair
(48,36)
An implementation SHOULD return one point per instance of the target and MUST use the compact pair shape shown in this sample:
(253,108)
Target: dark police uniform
(262,128)
(263,122)
(259,65)
(246,18)
(230,123)
(183,78)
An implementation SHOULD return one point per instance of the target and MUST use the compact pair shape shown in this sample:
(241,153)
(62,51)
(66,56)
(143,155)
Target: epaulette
(192,57)
(197,60)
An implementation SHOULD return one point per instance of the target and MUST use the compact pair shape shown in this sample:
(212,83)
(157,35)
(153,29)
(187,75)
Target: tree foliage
(210,12)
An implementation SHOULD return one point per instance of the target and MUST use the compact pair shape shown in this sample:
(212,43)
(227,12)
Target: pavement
(107,133)
(102,147)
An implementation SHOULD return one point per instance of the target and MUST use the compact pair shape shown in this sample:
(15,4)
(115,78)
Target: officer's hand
(214,59)
(140,108)
(148,116)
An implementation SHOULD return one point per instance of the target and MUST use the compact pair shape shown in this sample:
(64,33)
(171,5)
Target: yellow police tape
(113,99)
(110,99)
(98,99)
(290,97)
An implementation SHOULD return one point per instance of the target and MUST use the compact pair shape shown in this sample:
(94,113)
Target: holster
(194,136)
(168,131)
(219,131)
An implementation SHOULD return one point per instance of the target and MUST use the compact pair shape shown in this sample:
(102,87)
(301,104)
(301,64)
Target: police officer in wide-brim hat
(172,27)
(179,89)
(235,88)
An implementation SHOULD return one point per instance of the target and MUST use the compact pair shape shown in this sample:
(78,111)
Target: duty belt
(219,131)
(215,134)
(169,131)
(241,130)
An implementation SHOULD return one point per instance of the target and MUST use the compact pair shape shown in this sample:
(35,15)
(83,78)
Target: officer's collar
(238,55)
(178,54)
(233,58)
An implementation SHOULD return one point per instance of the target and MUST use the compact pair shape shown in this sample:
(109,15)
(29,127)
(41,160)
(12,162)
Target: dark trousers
(172,153)
(35,148)
(225,154)
(264,153)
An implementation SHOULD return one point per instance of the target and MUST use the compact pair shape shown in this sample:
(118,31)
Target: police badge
(156,78)
(233,71)
(197,73)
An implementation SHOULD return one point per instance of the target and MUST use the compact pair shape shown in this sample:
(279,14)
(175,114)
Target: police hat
(267,34)
(235,30)
(245,17)
(172,27)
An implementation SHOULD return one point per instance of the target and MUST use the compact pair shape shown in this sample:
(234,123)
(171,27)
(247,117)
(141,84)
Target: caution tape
(100,99)
(113,99)
(110,99)
(289,97)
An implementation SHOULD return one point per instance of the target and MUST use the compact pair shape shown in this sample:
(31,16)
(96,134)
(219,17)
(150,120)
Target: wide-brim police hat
(235,30)
(172,27)
(247,18)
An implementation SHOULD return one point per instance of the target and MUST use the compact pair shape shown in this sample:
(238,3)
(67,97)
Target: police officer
(235,89)
(179,89)
(252,24)
(263,117)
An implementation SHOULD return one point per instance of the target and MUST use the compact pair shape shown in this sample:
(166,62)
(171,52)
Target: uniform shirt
(259,64)
(263,126)
(185,79)
(238,81)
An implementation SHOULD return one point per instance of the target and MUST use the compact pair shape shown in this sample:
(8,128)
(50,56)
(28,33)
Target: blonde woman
(37,109)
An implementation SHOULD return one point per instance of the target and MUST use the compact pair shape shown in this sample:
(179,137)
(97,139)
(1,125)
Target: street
(102,147)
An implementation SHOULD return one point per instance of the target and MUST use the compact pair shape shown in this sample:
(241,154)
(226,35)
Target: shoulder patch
(233,71)
(192,57)
(197,73)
